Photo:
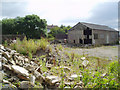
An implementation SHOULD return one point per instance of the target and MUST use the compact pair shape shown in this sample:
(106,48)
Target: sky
(64,12)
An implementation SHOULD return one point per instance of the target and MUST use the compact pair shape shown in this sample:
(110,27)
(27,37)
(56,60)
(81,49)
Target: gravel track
(108,52)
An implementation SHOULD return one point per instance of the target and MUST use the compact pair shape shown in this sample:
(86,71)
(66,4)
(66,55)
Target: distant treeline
(57,31)
(31,26)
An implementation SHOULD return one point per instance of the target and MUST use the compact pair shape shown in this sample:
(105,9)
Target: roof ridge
(95,24)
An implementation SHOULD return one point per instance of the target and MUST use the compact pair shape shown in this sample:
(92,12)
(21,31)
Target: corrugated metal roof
(99,27)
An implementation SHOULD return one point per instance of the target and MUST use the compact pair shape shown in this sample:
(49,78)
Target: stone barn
(87,33)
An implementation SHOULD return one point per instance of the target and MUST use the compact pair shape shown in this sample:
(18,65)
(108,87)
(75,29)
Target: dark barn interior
(87,32)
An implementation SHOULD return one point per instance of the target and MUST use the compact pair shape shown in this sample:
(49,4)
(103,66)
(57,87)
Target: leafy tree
(30,25)
(19,25)
(59,30)
(34,26)
(8,26)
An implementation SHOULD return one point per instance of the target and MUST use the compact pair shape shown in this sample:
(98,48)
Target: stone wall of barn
(105,37)
(76,33)
(74,36)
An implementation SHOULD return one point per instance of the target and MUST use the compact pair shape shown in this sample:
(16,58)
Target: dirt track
(109,52)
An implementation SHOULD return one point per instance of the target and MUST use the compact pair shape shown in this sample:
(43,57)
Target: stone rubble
(52,80)
(26,84)
(82,58)
(20,72)
(74,76)
(85,63)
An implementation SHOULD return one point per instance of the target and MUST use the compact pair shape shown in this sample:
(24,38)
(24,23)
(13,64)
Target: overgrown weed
(29,47)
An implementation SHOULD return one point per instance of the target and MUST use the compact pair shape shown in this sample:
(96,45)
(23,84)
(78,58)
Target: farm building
(87,33)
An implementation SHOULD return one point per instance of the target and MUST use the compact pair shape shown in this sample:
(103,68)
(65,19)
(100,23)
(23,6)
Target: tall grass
(28,47)
(60,47)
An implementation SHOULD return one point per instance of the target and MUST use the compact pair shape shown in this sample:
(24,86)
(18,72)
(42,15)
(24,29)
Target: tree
(30,25)
(19,25)
(59,30)
(8,26)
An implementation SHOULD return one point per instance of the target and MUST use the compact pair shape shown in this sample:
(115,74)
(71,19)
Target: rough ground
(52,71)
(108,52)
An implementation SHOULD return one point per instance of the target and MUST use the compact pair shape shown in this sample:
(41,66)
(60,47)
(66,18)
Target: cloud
(13,9)
(119,16)
(105,13)
(56,11)
(66,12)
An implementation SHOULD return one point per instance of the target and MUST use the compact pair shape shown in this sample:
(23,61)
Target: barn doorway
(80,41)
(73,41)
(87,34)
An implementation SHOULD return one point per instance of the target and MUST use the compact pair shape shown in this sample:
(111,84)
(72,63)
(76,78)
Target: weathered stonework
(113,37)
(76,33)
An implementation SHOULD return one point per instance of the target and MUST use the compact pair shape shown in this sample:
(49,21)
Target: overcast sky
(65,12)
